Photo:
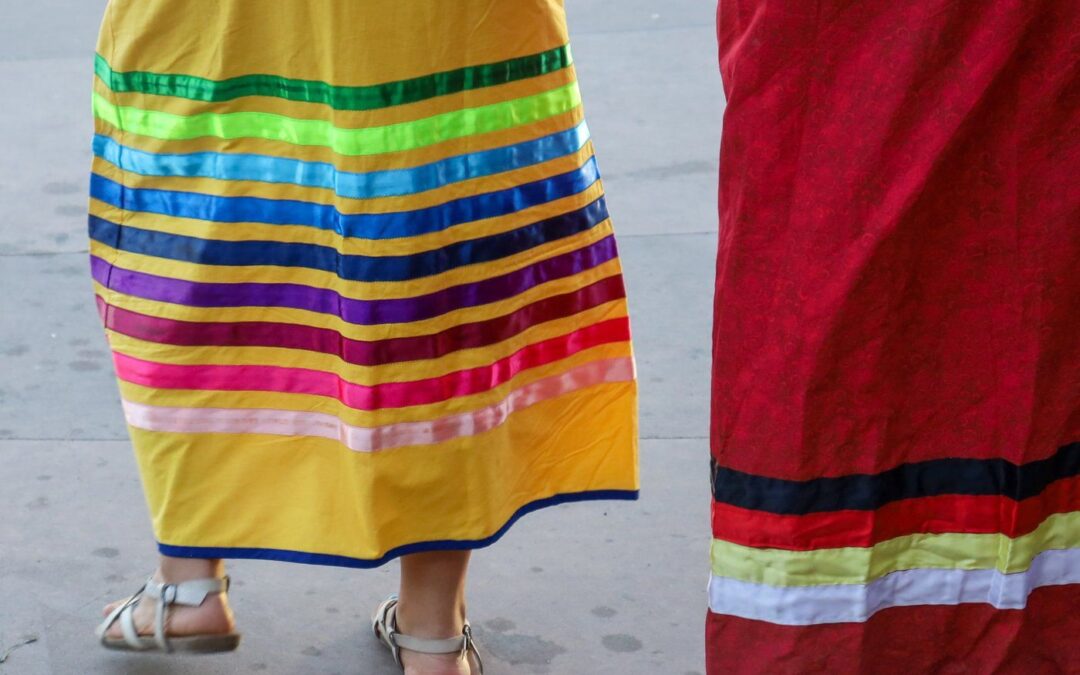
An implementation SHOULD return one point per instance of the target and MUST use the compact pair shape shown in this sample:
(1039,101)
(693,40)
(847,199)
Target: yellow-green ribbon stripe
(354,142)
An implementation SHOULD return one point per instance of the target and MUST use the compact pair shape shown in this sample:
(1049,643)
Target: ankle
(178,570)
(430,625)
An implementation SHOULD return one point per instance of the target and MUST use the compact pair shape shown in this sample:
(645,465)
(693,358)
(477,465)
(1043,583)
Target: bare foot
(212,617)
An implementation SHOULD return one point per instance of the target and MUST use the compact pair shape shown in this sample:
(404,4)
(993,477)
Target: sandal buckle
(168,593)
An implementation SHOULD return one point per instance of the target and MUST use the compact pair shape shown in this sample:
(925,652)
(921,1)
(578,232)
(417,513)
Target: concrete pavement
(592,588)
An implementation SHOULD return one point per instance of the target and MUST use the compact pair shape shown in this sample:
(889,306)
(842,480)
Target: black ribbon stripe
(868,492)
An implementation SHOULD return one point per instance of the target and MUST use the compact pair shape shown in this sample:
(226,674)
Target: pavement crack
(28,640)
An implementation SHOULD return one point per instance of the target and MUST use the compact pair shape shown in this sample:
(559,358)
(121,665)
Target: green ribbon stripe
(355,142)
(370,97)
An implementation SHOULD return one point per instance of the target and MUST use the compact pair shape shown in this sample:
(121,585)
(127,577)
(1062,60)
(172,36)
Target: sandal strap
(189,593)
(385,625)
(122,613)
(127,627)
(470,646)
(429,646)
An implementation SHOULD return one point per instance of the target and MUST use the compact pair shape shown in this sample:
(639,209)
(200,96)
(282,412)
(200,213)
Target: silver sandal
(188,593)
(384,625)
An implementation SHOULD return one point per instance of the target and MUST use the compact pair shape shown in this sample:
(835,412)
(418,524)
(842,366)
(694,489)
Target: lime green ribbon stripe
(370,97)
(856,565)
(354,142)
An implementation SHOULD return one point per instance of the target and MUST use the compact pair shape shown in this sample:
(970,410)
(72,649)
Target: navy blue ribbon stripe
(393,225)
(350,267)
(869,492)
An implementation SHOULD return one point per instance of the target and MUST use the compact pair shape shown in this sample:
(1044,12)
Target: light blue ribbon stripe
(392,183)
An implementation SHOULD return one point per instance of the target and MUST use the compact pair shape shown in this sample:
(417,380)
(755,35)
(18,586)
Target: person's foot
(430,627)
(416,663)
(212,617)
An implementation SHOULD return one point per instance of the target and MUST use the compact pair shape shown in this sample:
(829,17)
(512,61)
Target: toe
(110,607)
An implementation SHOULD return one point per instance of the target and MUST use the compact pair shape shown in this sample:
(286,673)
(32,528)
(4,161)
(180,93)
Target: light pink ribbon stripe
(372,439)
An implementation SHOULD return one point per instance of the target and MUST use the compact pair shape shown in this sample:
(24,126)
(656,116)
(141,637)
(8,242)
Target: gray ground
(596,588)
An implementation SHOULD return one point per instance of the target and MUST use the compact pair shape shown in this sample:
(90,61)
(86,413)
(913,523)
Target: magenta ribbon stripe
(370,397)
(364,353)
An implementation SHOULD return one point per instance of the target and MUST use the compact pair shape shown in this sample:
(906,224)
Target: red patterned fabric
(897,338)
(962,640)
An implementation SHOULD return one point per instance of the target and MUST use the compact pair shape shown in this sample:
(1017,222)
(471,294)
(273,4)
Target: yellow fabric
(250,471)
(338,499)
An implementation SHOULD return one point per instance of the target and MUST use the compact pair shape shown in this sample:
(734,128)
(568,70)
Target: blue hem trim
(420,547)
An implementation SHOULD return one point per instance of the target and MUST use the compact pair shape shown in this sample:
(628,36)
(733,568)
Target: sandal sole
(199,644)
